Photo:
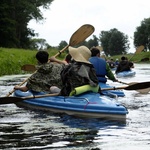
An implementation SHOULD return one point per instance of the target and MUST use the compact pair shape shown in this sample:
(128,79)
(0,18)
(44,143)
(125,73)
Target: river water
(23,129)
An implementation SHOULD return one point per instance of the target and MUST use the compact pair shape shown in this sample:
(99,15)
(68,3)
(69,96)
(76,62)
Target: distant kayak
(113,69)
(126,74)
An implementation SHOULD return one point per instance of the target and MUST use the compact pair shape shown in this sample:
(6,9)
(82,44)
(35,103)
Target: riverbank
(11,60)
(142,57)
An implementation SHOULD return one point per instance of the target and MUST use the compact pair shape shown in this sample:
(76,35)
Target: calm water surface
(22,129)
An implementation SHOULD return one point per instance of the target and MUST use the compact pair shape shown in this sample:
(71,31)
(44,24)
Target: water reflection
(43,129)
(23,129)
(27,129)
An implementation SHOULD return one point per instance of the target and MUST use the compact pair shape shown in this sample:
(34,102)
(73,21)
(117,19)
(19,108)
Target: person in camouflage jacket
(46,76)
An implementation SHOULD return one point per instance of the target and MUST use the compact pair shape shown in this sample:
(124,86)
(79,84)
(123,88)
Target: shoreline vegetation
(11,59)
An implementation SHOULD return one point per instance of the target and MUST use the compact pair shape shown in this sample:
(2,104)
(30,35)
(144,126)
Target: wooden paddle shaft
(9,100)
(136,86)
(61,51)
(114,88)
(14,89)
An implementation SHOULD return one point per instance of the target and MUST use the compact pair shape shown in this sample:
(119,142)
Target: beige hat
(100,48)
(80,54)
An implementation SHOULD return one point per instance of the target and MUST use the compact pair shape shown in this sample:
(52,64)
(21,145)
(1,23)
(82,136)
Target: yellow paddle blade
(139,49)
(28,67)
(81,34)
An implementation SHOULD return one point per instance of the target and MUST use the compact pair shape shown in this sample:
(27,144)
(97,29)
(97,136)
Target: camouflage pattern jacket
(47,75)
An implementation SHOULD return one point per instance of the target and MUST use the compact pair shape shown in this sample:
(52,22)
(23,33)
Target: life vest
(100,67)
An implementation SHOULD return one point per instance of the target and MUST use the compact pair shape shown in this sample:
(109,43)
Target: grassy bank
(11,60)
(137,58)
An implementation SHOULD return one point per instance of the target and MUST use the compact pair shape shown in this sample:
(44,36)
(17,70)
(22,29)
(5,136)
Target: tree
(14,18)
(39,44)
(93,42)
(90,43)
(114,42)
(62,44)
(142,34)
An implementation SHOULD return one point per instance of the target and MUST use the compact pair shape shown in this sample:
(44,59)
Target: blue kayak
(114,93)
(89,105)
(126,74)
(113,69)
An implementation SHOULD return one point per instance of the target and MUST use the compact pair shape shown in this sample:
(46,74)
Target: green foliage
(90,43)
(62,44)
(53,52)
(11,60)
(14,18)
(142,34)
(39,44)
(136,58)
(93,42)
(114,42)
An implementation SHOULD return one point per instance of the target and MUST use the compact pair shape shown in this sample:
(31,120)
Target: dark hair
(94,51)
(131,64)
(123,58)
(42,56)
(68,58)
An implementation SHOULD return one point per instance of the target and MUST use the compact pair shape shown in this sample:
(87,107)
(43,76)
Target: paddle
(142,91)
(78,36)
(28,67)
(138,50)
(137,86)
(8,100)
(18,85)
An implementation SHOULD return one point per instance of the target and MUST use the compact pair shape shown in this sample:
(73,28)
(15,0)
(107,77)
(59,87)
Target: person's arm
(110,75)
(21,88)
(118,68)
(53,59)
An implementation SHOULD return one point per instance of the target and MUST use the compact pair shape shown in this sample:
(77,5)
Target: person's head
(131,65)
(95,51)
(80,54)
(123,58)
(68,58)
(42,57)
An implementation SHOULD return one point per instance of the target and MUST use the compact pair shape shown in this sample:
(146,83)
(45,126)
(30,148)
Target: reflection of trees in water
(47,129)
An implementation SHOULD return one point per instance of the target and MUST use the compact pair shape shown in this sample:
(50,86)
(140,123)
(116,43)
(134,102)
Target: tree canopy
(142,34)
(114,42)
(14,32)
(14,18)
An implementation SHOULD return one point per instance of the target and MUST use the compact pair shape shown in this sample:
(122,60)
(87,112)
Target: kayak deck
(91,105)
(125,74)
